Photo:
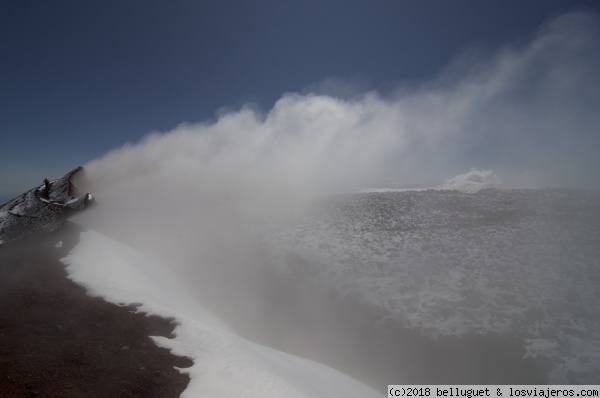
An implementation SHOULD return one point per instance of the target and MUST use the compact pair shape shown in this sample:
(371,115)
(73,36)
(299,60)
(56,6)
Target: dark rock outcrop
(41,209)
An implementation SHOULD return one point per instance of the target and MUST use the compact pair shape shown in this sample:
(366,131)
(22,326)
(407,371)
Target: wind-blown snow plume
(528,113)
(193,196)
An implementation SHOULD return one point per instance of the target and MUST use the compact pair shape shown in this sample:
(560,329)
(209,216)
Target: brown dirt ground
(55,341)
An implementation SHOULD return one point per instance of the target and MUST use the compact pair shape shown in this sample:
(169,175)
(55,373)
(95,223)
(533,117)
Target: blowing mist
(238,208)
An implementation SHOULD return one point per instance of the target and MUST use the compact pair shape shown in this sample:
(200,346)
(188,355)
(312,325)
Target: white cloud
(527,110)
(529,113)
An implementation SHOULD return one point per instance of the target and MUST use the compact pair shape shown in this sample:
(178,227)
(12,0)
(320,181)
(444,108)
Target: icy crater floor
(519,262)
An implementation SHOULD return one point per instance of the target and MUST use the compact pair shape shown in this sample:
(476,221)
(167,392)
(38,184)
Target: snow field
(225,364)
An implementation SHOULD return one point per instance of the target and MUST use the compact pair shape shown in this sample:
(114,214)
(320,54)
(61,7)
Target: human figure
(46,191)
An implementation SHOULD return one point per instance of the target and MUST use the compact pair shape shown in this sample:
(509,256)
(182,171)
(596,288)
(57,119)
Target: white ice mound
(225,364)
(473,181)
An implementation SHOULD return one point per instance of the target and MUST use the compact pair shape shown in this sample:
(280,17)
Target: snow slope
(225,364)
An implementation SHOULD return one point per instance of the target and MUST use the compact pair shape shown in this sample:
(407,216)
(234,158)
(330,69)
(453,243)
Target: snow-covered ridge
(225,364)
(43,208)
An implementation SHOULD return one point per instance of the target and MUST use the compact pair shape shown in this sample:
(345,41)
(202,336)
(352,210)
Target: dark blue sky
(80,78)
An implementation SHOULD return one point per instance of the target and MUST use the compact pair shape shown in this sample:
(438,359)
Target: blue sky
(81,78)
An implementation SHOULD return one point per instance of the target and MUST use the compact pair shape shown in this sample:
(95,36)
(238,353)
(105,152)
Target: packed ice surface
(523,263)
(225,364)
